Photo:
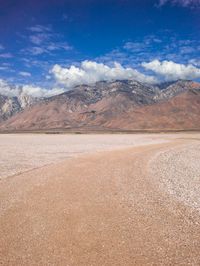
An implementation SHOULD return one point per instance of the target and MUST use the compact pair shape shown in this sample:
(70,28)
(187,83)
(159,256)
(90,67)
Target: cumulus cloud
(36,91)
(31,90)
(184,3)
(195,62)
(7,90)
(172,71)
(90,72)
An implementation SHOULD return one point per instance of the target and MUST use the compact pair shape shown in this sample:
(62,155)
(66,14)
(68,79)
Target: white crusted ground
(178,171)
(22,152)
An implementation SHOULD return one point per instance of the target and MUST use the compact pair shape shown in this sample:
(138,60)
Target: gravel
(178,173)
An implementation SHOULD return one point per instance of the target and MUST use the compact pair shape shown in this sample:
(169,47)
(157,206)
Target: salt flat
(22,152)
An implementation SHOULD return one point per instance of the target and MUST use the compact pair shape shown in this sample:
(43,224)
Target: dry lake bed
(124,199)
(22,152)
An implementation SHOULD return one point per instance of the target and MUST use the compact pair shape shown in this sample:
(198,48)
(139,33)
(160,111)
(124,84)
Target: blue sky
(144,35)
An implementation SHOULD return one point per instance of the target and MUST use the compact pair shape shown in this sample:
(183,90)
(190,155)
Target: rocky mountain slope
(14,104)
(8,107)
(121,105)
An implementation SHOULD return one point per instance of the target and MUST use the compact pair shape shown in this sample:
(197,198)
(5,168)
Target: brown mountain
(121,105)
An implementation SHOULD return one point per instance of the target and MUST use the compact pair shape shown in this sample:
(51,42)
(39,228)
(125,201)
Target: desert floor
(100,199)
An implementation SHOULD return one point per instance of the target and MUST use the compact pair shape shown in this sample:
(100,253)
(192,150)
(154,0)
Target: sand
(107,208)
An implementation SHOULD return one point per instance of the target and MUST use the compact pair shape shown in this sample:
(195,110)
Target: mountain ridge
(121,104)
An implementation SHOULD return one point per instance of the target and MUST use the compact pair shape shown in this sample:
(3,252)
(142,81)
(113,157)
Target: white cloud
(39,38)
(52,46)
(44,40)
(4,68)
(6,55)
(172,71)
(90,72)
(46,47)
(34,91)
(1,47)
(40,28)
(134,46)
(37,50)
(25,74)
(184,3)
(195,62)
(7,90)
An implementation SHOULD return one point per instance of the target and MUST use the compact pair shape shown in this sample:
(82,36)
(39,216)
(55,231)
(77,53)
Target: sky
(51,46)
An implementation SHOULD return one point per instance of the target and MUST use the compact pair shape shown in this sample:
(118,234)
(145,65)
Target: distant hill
(117,105)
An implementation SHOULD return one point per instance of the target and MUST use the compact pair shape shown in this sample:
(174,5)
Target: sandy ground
(120,207)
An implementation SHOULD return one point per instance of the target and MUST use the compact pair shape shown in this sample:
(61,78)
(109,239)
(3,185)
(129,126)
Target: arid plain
(110,199)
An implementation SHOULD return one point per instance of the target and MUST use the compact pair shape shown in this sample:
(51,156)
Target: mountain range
(117,105)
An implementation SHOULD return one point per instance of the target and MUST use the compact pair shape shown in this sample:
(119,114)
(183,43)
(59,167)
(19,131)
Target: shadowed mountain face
(122,105)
